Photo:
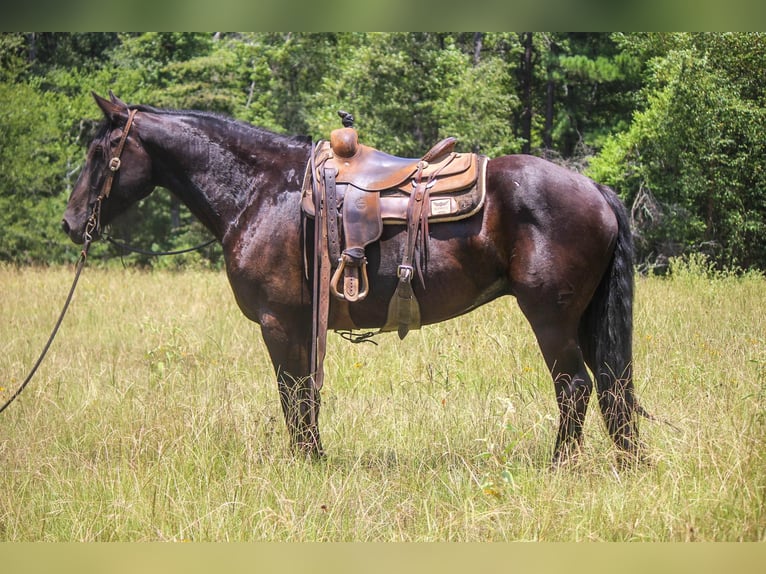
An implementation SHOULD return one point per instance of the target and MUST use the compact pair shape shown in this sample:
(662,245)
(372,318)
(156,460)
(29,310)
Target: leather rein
(93,224)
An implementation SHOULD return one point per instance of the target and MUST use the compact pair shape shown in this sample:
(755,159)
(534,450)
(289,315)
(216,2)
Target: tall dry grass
(156,417)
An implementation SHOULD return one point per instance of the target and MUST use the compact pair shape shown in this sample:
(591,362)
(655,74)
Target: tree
(34,164)
(697,147)
(575,90)
(406,91)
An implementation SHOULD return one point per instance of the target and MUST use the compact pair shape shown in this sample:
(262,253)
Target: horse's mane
(227,123)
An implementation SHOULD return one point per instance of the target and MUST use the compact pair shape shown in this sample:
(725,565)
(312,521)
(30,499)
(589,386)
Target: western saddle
(351,191)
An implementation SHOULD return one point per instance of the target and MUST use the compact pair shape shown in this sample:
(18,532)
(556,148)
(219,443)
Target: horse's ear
(113,111)
(116,100)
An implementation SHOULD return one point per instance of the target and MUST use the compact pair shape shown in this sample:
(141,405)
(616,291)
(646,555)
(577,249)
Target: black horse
(557,241)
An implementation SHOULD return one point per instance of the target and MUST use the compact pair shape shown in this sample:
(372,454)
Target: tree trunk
(478,41)
(175,212)
(550,90)
(525,72)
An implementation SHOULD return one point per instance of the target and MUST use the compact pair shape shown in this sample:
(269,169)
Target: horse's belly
(438,301)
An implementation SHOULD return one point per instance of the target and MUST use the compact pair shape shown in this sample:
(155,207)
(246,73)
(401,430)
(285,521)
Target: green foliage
(480,118)
(409,90)
(36,158)
(673,121)
(13,63)
(390,84)
(697,146)
(578,89)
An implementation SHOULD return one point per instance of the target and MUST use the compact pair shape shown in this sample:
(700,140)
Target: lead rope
(93,224)
(126,247)
(80,265)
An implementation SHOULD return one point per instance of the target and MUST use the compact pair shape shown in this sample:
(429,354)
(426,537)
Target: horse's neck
(214,177)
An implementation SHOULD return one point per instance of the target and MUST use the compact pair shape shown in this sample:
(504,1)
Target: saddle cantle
(358,189)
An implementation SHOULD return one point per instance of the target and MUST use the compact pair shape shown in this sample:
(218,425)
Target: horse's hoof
(310,451)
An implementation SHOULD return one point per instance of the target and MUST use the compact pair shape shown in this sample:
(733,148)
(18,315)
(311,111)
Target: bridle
(94,221)
(92,226)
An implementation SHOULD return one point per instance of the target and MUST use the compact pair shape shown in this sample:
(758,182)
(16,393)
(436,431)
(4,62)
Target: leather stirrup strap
(320,303)
(331,214)
(404,311)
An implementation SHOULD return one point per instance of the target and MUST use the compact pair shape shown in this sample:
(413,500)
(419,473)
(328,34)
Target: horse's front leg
(289,347)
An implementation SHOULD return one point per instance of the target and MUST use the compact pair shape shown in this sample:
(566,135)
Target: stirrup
(354,287)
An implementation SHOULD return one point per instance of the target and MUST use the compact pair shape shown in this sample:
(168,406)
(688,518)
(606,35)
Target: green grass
(156,417)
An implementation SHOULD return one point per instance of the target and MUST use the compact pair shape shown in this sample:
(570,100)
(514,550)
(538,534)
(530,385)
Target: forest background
(674,122)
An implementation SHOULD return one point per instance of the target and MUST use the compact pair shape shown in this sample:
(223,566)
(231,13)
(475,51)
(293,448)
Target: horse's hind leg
(559,345)
(573,388)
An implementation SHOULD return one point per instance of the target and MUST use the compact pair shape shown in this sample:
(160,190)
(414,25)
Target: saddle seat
(370,169)
(373,170)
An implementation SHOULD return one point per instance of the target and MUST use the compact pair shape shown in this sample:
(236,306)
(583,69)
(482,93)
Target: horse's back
(561,202)
(547,189)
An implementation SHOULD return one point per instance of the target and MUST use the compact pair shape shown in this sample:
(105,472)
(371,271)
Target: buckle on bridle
(114,163)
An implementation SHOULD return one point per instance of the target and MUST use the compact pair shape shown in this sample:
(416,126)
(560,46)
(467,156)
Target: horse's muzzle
(74,235)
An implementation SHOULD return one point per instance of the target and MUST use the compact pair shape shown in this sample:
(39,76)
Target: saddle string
(424,233)
(356,338)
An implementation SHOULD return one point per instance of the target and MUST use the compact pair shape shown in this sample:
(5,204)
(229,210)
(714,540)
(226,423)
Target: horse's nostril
(65,226)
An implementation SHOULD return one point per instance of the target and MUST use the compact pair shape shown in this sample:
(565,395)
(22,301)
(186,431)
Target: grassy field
(155,417)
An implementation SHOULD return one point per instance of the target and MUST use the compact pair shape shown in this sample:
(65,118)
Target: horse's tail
(606,335)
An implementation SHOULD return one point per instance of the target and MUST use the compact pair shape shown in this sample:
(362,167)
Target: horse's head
(117,173)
